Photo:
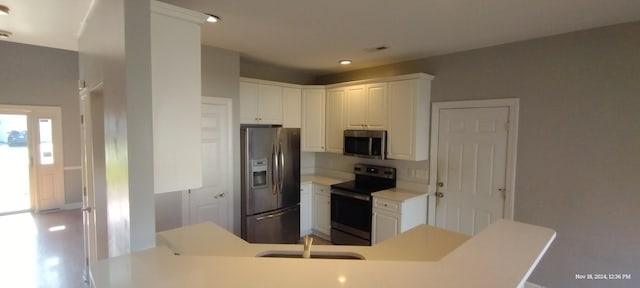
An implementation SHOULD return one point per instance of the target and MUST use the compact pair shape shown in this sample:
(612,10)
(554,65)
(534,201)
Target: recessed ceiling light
(212,18)
(345,62)
(4,10)
(4,34)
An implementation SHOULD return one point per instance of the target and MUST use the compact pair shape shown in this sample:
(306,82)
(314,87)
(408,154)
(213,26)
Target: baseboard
(531,285)
(71,206)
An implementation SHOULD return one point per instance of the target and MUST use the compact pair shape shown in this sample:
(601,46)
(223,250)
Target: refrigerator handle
(275,214)
(282,167)
(274,170)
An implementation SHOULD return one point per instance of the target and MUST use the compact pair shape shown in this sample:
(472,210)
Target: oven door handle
(352,195)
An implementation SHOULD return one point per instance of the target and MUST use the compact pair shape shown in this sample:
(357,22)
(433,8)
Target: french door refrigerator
(270,196)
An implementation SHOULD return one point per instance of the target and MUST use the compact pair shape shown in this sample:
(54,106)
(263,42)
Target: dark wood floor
(42,250)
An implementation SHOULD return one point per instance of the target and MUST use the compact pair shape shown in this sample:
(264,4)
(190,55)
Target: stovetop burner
(369,179)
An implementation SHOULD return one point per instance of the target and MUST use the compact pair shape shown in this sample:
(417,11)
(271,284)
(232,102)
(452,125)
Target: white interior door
(472,177)
(213,202)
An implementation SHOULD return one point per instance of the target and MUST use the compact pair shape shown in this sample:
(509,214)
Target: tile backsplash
(411,175)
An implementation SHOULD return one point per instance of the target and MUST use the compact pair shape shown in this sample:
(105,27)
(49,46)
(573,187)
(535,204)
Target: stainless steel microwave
(365,143)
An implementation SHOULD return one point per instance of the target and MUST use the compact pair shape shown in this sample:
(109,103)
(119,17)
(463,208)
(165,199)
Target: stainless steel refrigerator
(270,184)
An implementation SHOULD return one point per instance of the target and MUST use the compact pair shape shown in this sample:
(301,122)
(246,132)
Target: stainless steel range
(351,203)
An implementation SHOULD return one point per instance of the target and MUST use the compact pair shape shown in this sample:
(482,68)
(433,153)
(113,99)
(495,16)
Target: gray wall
(260,70)
(125,73)
(33,75)
(579,140)
(221,78)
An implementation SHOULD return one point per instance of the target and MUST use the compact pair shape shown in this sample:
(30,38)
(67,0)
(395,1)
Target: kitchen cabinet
(306,208)
(366,106)
(175,42)
(321,211)
(291,107)
(408,118)
(394,215)
(313,119)
(335,120)
(260,103)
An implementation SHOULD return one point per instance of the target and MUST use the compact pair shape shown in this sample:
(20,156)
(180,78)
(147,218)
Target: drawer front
(321,189)
(388,205)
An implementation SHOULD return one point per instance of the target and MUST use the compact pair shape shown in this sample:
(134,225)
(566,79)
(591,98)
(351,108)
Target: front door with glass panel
(31,150)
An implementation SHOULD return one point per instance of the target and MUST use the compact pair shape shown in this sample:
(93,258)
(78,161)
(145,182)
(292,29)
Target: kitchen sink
(314,255)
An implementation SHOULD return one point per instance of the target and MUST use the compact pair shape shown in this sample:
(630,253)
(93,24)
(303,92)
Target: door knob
(86,209)
(440,184)
(439,194)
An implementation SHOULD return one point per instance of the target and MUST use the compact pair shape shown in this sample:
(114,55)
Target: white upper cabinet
(313,121)
(291,107)
(366,106)
(335,120)
(175,42)
(260,103)
(408,118)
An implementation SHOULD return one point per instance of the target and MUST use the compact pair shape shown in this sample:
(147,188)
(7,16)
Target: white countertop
(502,255)
(322,180)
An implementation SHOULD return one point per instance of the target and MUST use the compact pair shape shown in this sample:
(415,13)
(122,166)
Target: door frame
(94,190)
(513,104)
(186,208)
(33,112)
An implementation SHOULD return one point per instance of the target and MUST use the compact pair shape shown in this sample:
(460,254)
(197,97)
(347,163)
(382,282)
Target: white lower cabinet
(306,208)
(392,217)
(386,225)
(321,210)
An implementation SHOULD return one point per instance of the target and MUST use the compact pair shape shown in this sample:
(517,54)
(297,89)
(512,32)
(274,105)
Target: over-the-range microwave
(365,143)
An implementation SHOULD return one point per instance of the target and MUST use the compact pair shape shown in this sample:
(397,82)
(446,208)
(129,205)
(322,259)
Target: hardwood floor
(42,250)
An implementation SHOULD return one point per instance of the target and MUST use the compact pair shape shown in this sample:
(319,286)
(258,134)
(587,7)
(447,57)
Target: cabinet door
(400,136)
(408,120)
(270,104)
(321,209)
(376,106)
(248,103)
(291,108)
(175,135)
(334,120)
(306,209)
(385,226)
(356,104)
(313,112)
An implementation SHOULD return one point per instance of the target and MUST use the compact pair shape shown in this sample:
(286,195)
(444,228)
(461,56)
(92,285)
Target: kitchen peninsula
(205,255)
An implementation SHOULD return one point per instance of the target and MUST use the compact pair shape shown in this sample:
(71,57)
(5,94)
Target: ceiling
(314,35)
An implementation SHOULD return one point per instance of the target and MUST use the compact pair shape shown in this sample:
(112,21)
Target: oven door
(351,215)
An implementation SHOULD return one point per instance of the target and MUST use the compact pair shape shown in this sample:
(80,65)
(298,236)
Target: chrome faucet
(307,246)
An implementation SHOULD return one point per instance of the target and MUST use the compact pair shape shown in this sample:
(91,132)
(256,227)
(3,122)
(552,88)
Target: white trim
(383,79)
(70,168)
(178,12)
(186,208)
(275,83)
(512,143)
(532,285)
(72,206)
